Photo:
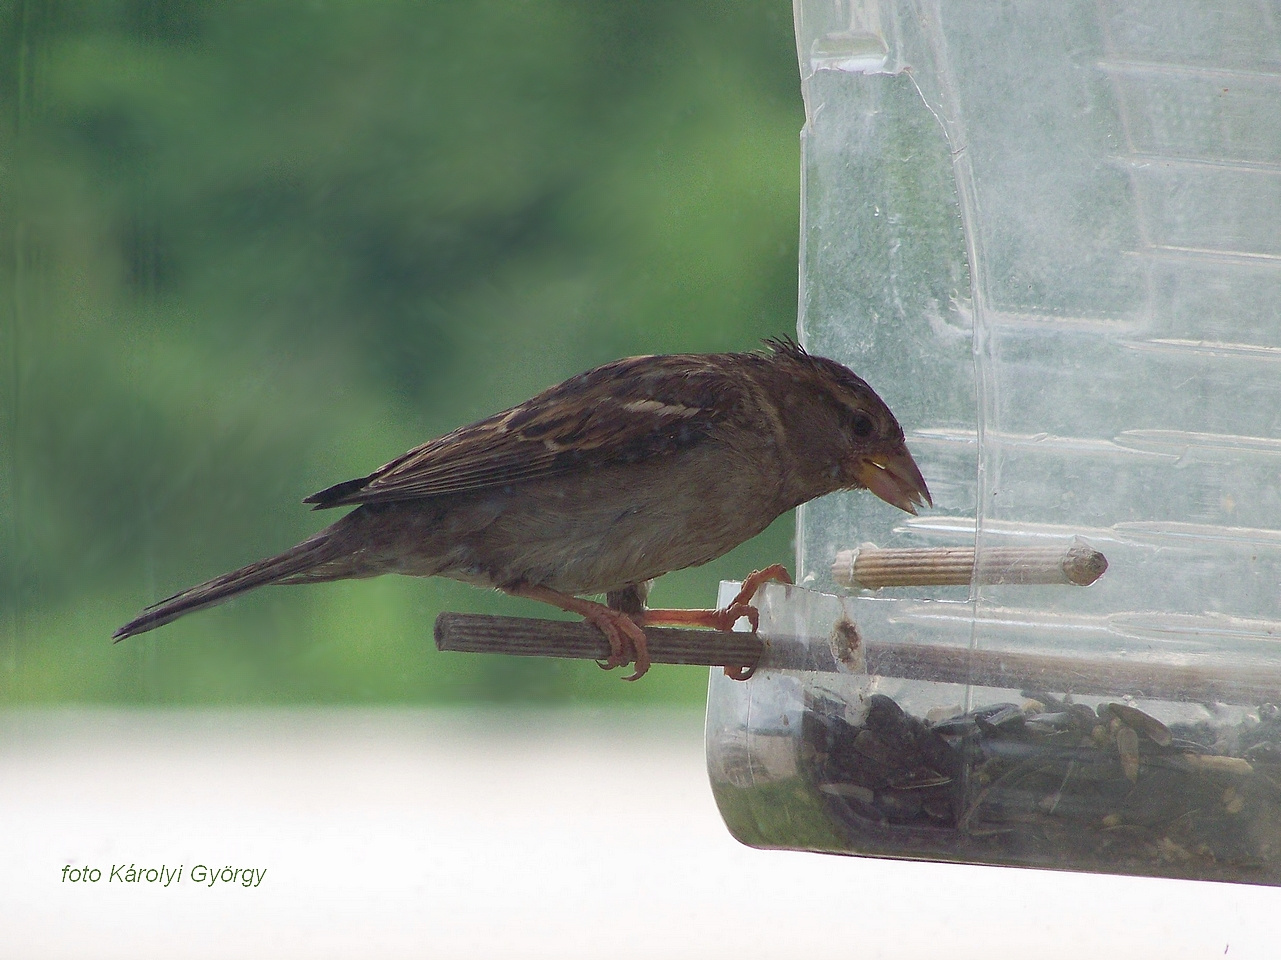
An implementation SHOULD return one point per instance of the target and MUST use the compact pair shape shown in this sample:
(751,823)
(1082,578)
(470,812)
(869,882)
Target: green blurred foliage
(250,249)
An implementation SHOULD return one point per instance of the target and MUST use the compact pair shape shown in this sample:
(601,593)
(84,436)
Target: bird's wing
(625,411)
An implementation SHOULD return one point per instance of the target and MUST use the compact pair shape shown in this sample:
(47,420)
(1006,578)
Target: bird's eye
(861,425)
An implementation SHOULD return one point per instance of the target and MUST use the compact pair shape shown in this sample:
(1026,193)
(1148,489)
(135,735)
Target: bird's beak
(895,478)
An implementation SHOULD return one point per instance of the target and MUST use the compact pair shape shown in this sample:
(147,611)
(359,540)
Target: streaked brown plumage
(602,483)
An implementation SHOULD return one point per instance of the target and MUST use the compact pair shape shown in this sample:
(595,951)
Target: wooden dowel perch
(1247,684)
(871,568)
(577,640)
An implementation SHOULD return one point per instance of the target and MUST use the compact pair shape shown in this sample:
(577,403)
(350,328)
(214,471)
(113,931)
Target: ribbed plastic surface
(1050,236)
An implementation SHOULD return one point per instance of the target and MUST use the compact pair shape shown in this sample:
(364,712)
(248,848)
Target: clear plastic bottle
(1048,235)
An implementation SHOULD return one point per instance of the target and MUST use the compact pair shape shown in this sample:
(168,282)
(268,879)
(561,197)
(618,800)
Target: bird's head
(865,441)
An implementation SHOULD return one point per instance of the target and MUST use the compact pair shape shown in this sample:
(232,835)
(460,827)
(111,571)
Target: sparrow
(602,483)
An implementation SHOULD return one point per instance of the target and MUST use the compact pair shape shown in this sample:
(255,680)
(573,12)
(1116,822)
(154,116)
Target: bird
(602,483)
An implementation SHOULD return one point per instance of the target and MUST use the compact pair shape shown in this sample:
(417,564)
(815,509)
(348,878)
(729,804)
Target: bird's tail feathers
(306,556)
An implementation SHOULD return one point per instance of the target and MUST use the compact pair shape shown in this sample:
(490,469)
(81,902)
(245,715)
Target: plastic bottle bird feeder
(1049,236)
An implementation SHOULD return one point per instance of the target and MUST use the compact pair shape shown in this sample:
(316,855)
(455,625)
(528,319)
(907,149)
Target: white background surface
(404,833)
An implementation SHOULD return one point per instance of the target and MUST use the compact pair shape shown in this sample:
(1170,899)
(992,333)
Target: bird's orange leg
(626,638)
(726,617)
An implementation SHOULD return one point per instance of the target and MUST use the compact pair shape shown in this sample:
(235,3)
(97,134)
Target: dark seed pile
(1053,783)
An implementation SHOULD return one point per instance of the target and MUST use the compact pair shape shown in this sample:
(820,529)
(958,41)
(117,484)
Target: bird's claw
(722,619)
(733,613)
(624,648)
(726,617)
(741,606)
(757,579)
(627,642)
